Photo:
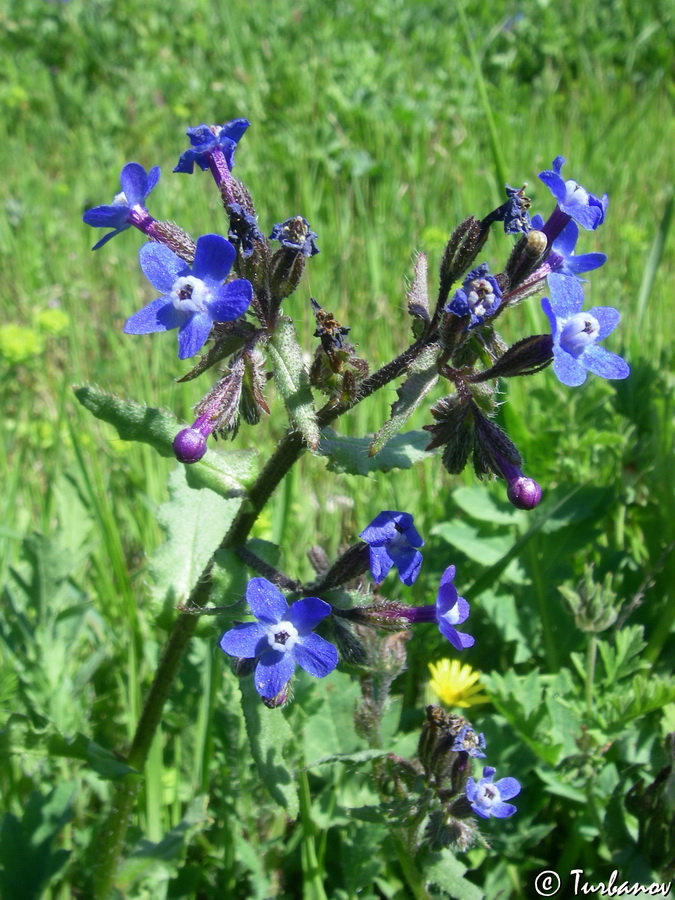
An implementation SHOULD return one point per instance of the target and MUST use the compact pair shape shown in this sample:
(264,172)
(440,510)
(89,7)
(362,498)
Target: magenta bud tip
(524,493)
(189,445)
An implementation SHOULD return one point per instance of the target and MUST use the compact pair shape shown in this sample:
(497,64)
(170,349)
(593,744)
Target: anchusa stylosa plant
(224,297)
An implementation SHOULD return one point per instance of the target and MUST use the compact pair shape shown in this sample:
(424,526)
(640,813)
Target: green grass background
(368,119)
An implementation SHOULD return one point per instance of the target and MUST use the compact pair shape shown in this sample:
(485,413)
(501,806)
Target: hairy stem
(108,847)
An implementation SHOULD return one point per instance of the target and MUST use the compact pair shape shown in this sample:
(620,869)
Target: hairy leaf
(292,380)
(270,734)
(227,474)
(348,454)
(423,376)
(195,523)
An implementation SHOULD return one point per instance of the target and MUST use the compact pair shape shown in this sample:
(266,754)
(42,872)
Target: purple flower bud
(189,445)
(524,492)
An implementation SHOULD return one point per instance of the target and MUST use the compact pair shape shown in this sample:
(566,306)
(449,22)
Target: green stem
(108,846)
(312,882)
(412,874)
(550,646)
(591,654)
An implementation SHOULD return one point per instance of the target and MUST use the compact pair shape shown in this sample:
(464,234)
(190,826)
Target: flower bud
(524,492)
(189,445)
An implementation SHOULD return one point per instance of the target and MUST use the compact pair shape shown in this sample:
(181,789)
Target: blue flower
(127,205)
(479,296)
(295,234)
(451,610)
(206,139)
(561,259)
(393,541)
(576,334)
(193,298)
(281,638)
(468,741)
(574,200)
(487,799)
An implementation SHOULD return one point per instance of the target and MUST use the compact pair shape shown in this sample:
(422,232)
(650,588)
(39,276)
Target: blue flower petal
(502,810)
(193,334)
(316,655)
(161,266)
(213,258)
(136,184)
(266,602)
(458,639)
(108,216)
(567,295)
(604,363)
(408,562)
(232,301)
(568,370)
(608,318)
(508,788)
(306,614)
(243,641)
(160,315)
(380,563)
(273,671)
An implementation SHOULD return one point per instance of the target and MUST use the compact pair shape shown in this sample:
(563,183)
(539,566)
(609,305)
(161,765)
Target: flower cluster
(203,299)
(283,636)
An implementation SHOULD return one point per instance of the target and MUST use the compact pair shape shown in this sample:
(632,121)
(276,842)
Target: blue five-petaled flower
(205,139)
(136,185)
(487,799)
(393,541)
(282,638)
(478,297)
(575,201)
(193,297)
(576,334)
(451,610)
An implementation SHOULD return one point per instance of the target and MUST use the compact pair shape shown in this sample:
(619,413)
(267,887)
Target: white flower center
(399,539)
(487,795)
(190,294)
(579,332)
(575,193)
(120,199)
(452,615)
(480,296)
(282,636)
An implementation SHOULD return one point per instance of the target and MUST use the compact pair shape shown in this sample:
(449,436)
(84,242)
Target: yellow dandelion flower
(456,684)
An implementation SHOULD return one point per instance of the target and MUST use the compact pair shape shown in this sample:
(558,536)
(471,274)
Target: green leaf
(27,862)
(195,523)
(270,736)
(164,857)
(623,659)
(348,454)
(329,730)
(104,762)
(447,872)
(479,503)
(555,785)
(292,380)
(228,474)
(423,376)
(473,542)
(361,856)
